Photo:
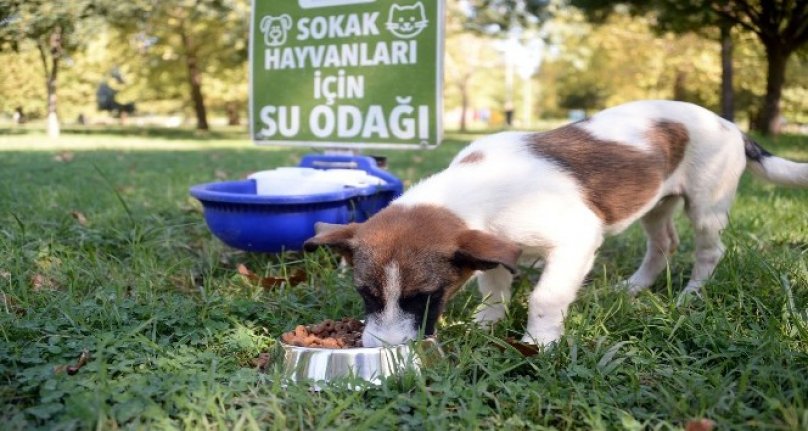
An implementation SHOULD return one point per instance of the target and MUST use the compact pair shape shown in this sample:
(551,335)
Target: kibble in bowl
(320,353)
(331,334)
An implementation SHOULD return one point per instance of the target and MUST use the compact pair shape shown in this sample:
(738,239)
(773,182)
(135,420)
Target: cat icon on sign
(407,22)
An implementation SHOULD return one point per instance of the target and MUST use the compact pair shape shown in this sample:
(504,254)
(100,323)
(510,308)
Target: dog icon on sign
(275,29)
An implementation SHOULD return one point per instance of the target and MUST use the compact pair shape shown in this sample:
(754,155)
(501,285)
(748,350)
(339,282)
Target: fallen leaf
(220,174)
(261,361)
(125,190)
(64,157)
(80,218)
(10,305)
(188,282)
(42,282)
(73,369)
(191,206)
(523,348)
(5,274)
(297,277)
(702,424)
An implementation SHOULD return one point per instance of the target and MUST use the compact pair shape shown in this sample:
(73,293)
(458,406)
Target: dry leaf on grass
(10,306)
(43,282)
(261,362)
(523,348)
(702,424)
(220,174)
(80,218)
(74,368)
(64,157)
(297,277)
(188,282)
(125,190)
(5,274)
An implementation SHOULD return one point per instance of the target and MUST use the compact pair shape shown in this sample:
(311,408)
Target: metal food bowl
(317,366)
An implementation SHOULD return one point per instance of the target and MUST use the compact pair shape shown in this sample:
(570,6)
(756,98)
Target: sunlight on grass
(173,329)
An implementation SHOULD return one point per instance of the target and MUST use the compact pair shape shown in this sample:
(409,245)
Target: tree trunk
(54,47)
(727,92)
(464,103)
(53,117)
(769,120)
(680,86)
(195,80)
(232,113)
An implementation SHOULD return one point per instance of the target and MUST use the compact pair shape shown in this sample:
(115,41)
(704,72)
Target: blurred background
(508,63)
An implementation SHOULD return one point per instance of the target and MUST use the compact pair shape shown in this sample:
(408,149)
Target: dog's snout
(379,332)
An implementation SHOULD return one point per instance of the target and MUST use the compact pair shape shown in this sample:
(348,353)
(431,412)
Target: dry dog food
(331,334)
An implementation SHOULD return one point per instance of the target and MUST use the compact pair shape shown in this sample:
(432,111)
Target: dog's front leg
(495,288)
(565,269)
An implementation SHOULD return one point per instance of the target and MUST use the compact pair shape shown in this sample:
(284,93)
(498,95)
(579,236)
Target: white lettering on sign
(398,52)
(288,123)
(347,86)
(348,121)
(338,26)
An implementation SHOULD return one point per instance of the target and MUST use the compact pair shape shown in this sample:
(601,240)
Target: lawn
(102,251)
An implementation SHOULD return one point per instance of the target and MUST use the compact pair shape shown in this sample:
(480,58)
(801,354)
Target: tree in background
(679,17)
(780,25)
(467,54)
(55,30)
(193,38)
(511,19)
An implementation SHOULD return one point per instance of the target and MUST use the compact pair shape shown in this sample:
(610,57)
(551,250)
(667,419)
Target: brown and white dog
(554,196)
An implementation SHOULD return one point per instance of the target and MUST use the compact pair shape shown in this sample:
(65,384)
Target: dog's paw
(544,338)
(688,295)
(634,285)
(488,314)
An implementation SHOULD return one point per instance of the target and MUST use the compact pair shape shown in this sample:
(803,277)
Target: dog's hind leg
(495,287)
(707,226)
(661,243)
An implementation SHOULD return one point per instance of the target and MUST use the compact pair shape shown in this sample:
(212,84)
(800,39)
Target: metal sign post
(347,74)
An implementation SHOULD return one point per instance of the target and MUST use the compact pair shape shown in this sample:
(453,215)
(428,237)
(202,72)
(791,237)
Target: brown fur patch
(616,179)
(420,239)
(472,157)
(670,138)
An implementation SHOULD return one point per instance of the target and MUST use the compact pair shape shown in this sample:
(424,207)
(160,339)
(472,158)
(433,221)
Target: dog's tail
(772,168)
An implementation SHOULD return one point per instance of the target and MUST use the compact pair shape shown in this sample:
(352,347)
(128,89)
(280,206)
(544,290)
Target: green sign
(346,73)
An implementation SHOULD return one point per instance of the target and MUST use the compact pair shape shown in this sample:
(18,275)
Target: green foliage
(39,20)
(491,16)
(213,33)
(172,329)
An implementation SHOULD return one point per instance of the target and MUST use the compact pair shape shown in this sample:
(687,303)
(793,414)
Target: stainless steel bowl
(316,366)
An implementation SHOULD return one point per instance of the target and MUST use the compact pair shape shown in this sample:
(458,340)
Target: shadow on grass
(13,131)
(136,131)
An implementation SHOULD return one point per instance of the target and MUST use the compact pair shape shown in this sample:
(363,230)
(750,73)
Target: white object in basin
(288,181)
(291,182)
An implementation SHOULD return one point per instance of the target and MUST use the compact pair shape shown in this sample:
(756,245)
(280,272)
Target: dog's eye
(372,303)
(417,304)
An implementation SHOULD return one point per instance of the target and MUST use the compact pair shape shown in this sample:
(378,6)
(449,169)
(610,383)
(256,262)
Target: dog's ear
(286,21)
(481,251)
(336,236)
(265,22)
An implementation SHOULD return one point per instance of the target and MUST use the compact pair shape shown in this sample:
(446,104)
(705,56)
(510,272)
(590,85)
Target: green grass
(172,328)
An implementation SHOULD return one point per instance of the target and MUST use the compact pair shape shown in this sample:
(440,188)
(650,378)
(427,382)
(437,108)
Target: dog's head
(408,261)
(275,28)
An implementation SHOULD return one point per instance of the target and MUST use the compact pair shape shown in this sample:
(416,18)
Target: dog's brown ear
(336,236)
(481,251)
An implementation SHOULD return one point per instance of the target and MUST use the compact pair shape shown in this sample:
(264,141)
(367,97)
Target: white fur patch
(392,325)
(511,193)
